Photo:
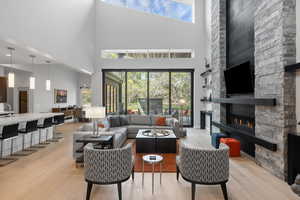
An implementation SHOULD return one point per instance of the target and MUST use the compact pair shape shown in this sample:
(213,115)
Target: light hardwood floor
(51,174)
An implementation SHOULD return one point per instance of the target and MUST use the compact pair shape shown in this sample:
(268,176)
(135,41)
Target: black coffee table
(154,144)
(99,142)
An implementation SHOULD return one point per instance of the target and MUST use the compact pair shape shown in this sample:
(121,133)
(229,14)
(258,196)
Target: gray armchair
(204,166)
(105,167)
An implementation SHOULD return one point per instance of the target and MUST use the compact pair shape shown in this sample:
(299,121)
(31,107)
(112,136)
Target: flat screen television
(239,79)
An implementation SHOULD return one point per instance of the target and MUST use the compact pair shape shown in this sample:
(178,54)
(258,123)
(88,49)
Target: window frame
(191,71)
(135,54)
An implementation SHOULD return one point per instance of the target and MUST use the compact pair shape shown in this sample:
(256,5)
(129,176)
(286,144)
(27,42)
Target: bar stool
(47,124)
(8,132)
(58,120)
(31,127)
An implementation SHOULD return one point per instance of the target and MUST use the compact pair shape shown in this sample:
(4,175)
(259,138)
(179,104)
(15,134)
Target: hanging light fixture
(11,75)
(48,81)
(32,78)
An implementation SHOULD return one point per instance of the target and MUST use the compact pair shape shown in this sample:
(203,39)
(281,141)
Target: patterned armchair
(204,166)
(104,167)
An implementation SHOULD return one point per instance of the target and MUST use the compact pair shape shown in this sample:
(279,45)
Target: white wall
(298,60)
(122,28)
(63,29)
(2,71)
(41,100)
(61,78)
(83,82)
(21,84)
(208,28)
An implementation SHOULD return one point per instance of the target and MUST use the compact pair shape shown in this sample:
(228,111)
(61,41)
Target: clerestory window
(176,9)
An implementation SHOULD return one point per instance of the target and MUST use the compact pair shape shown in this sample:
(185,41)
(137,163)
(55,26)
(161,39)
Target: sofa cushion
(114,121)
(134,129)
(118,129)
(89,128)
(169,121)
(86,127)
(162,127)
(140,120)
(124,120)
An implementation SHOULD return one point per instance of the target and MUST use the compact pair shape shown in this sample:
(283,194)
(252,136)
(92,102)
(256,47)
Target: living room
(149,99)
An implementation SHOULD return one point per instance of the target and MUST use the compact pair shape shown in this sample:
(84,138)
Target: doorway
(23,101)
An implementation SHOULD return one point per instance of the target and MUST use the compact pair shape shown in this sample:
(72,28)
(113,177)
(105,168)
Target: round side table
(152,159)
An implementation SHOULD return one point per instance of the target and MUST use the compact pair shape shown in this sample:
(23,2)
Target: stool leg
(40,132)
(152,178)
(160,172)
(143,174)
(2,149)
(11,146)
(31,138)
(23,142)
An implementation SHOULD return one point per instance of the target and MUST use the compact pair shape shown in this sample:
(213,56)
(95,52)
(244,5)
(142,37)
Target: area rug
(168,164)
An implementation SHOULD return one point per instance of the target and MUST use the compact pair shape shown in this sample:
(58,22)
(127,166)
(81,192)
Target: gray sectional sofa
(123,127)
(133,123)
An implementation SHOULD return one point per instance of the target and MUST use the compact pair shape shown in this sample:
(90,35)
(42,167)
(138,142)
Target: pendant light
(32,78)
(48,81)
(11,74)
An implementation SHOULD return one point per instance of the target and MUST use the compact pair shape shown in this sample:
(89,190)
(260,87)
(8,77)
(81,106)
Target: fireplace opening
(242,117)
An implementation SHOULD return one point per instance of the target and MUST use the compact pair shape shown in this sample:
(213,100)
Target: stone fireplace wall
(275,47)
(218,56)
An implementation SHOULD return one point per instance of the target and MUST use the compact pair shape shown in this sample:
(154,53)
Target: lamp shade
(182,102)
(11,80)
(32,83)
(95,112)
(48,85)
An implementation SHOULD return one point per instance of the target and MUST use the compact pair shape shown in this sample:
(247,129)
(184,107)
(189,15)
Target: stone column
(218,56)
(275,47)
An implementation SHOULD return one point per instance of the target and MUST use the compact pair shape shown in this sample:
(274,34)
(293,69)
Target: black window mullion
(113,98)
(126,93)
(170,93)
(192,99)
(148,93)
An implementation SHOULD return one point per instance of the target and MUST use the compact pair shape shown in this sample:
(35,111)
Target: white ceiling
(21,54)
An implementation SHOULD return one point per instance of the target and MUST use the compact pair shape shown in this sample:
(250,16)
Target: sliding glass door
(181,90)
(159,93)
(150,92)
(137,93)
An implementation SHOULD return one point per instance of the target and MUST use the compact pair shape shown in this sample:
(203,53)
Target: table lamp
(95,113)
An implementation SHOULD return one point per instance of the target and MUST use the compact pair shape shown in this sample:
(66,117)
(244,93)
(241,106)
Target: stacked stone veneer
(275,47)
(218,56)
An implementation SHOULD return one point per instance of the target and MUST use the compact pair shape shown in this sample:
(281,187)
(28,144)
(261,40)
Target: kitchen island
(14,142)
(23,118)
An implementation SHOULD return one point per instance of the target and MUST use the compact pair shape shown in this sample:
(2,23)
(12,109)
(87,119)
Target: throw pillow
(140,120)
(114,121)
(160,121)
(101,125)
(124,120)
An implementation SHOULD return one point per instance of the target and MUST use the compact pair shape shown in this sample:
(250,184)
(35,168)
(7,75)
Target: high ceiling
(21,54)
